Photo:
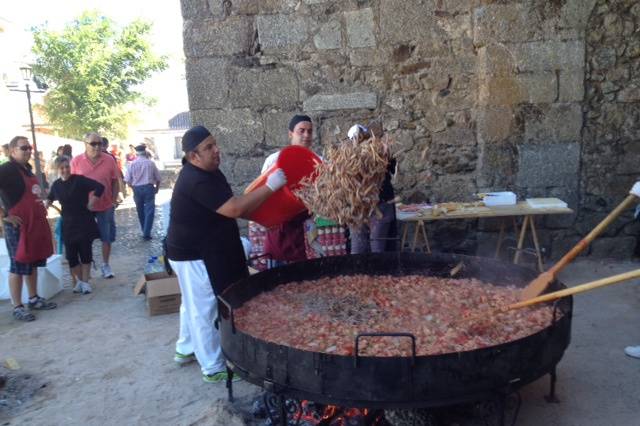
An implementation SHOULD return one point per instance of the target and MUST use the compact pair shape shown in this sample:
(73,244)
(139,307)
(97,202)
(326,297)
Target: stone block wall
(536,96)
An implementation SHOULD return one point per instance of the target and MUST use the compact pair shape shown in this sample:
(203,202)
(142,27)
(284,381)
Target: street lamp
(26,76)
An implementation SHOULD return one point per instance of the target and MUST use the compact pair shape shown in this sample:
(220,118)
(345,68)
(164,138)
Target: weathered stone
(539,87)
(453,188)
(278,31)
(501,91)
(237,131)
(207,82)
(406,20)
(575,14)
(371,57)
(194,9)
(277,6)
(547,165)
(232,36)
(258,87)
(359,100)
(495,60)
(246,169)
(495,123)
(549,55)
(571,86)
(360,28)
(454,151)
(614,248)
(559,123)
(501,23)
(315,1)
(629,94)
(329,36)
(235,7)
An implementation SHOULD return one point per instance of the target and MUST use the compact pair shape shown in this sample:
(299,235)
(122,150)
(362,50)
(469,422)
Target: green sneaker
(218,377)
(182,359)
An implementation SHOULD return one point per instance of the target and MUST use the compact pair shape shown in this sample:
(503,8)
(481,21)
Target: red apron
(35,242)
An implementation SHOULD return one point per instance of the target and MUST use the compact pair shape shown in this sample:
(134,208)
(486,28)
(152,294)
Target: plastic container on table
(297,163)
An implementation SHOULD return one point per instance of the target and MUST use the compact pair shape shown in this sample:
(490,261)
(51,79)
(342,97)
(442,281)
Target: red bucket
(297,163)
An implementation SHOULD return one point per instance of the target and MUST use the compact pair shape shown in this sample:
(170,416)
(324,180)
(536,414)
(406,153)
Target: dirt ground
(103,360)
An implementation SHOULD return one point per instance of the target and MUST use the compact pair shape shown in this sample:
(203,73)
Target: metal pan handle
(228,305)
(409,335)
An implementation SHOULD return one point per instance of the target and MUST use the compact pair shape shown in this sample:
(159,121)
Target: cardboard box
(162,292)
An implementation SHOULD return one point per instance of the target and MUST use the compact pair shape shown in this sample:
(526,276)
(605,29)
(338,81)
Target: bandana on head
(298,119)
(193,137)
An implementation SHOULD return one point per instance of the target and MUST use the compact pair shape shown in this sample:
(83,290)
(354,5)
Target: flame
(332,415)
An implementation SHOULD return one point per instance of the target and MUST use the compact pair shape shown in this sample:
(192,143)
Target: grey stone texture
(360,28)
(538,97)
(280,31)
(548,165)
(340,102)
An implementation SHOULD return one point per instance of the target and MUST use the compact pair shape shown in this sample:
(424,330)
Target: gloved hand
(276,180)
(636,189)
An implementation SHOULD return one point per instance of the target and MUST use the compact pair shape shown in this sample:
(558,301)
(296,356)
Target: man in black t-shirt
(204,247)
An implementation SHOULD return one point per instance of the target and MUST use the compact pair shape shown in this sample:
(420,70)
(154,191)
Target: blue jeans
(107,225)
(145,198)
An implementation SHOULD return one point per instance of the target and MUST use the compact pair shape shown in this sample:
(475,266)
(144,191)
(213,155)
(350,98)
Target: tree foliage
(94,70)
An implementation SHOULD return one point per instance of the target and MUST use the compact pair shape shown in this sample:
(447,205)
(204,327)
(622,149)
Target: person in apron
(285,243)
(26,230)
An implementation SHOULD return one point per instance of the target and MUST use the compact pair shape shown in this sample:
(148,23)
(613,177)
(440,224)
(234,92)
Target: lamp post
(26,75)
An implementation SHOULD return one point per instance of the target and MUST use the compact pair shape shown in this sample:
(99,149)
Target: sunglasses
(94,144)
(26,148)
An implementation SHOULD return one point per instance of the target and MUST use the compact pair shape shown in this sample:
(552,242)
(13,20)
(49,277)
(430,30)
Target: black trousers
(78,252)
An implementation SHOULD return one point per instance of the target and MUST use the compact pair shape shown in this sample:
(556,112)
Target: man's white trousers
(198,311)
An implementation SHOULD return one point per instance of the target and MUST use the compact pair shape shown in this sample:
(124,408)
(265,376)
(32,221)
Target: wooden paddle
(538,285)
(552,296)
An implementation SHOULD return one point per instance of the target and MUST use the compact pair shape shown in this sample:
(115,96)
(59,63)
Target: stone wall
(536,96)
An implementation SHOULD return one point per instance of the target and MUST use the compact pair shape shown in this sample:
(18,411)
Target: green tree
(94,70)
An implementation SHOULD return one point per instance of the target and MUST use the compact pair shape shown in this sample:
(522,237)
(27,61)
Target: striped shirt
(142,171)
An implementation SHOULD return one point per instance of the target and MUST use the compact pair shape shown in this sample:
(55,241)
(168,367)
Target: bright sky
(168,87)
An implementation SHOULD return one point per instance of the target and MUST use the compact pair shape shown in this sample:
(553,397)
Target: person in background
(5,153)
(101,167)
(204,247)
(52,171)
(67,150)
(131,155)
(144,178)
(375,237)
(121,185)
(634,351)
(77,196)
(26,230)
(285,243)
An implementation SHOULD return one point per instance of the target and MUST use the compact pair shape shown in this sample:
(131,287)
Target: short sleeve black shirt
(78,222)
(198,232)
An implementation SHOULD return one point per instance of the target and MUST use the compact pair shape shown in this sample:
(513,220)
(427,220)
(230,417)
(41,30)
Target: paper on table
(542,203)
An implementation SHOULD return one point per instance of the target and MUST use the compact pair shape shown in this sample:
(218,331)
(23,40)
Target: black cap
(298,119)
(141,148)
(193,137)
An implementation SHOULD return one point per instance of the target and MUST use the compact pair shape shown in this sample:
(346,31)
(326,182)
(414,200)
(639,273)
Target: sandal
(41,304)
(21,314)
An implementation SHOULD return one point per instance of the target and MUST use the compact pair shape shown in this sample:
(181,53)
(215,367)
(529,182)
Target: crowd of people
(203,244)
(87,188)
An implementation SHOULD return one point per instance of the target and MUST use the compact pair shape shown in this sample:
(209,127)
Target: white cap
(636,189)
(355,130)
